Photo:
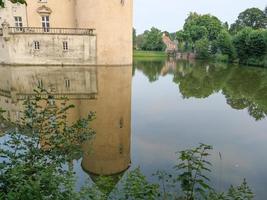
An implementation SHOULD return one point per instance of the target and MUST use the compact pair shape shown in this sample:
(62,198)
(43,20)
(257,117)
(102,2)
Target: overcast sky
(169,15)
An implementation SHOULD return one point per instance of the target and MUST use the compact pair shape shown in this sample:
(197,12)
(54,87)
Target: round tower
(112,20)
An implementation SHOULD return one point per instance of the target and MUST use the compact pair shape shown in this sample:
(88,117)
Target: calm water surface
(147,112)
(178,105)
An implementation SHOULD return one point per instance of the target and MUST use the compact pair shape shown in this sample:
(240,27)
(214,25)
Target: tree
(134,38)
(139,41)
(250,44)
(206,25)
(252,17)
(152,40)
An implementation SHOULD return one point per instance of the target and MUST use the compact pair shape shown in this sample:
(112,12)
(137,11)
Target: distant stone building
(67,32)
(171,46)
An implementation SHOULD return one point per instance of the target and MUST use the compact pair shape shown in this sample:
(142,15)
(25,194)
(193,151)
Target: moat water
(158,107)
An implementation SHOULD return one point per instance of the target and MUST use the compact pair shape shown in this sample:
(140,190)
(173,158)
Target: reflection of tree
(200,80)
(247,88)
(151,68)
(243,88)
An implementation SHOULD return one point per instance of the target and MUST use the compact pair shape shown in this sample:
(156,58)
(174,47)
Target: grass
(150,54)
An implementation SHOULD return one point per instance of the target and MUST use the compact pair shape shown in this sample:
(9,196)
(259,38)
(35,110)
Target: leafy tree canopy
(252,17)
(152,40)
(199,26)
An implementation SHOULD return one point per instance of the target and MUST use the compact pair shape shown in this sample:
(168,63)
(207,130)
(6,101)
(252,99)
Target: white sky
(169,15)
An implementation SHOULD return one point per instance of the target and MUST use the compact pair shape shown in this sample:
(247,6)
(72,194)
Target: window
(45,23)
(40,84)
(67,83)
(36,45)
(65,46)
(18,23)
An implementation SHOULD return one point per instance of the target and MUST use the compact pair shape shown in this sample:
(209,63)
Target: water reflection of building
(105,90)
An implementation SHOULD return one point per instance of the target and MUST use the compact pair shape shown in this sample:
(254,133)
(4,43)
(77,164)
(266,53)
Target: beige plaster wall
(113,24)
(62,15)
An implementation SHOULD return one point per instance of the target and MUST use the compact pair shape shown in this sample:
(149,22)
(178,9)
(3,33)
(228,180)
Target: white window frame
(67,83)
(18,23)
(65,46)
(36,45)
(45,22)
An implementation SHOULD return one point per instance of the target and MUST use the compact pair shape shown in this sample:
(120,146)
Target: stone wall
(19,48)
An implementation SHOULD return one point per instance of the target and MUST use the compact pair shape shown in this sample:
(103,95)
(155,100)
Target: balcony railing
(51,31)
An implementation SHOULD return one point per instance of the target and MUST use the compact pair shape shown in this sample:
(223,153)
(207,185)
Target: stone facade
(112,21)
(25,47)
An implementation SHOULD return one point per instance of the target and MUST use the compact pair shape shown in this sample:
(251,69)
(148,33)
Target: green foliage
(136,187)
(252,17)
(152,40)
(225,44)
(193,166)
(197,32)
(240,192)
(39,147)
(250,44)
(205,25)
(168,183)
(207,36)
(202,48)
(134,39)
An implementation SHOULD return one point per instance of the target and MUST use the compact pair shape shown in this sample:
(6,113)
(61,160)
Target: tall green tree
(199,26)
(152,40)
(134,38)
(250,44)
(252,17)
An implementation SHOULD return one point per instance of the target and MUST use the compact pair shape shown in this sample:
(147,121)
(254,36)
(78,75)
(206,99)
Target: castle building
(67,32)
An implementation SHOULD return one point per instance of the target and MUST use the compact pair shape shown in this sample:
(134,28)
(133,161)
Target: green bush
(251,46)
